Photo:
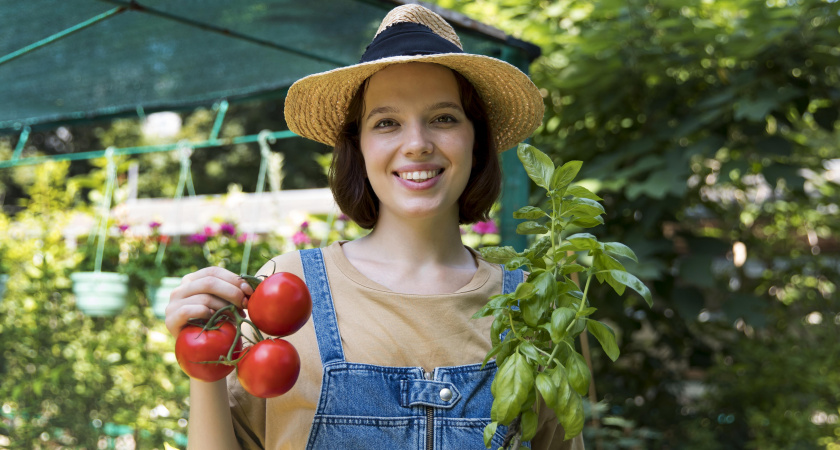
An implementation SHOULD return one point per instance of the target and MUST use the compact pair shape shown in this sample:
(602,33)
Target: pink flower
(208,232)
(124,227)
(243,237)
(304,226)
(300,238)
(486,227)
(154,225)
(197,238)
(227,228)
(343,217)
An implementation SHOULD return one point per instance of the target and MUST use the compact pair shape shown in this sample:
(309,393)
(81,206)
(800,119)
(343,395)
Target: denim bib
(363,406)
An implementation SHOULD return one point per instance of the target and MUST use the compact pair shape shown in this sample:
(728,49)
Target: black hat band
(407,39)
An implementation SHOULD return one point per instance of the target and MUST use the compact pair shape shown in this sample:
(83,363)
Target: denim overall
(363,406)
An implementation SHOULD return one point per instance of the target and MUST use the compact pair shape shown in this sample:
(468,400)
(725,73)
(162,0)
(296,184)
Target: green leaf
(540,248)
(529,425)
(573,417)
(496,302)
(529,350)
(531,227)
(588,222)
(489,431)
(577,327)
(605,264)
(493,352)
(584,241)
(547,389)
(582,192)
(606,336)
(537,164)
(530,213)
(510,388)
(531,311)
(583,207)
(564,390)
(617,248)
(516,263)
(498,255)
(578,373)
(634,283)
(560,320)
(565,174)
(586,312)
(524,290)
(571,268)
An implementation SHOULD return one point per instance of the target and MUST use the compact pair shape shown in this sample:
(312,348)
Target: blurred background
(709,128)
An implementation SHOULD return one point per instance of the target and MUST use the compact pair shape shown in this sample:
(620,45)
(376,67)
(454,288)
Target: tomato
(195,345)
(269,368)
(280,304)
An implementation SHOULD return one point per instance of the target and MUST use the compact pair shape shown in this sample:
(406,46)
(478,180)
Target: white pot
(159,295)
(4,278)
(100,294)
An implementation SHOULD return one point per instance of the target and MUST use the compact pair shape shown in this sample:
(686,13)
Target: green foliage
(68,379)
(546,313)
(709,129)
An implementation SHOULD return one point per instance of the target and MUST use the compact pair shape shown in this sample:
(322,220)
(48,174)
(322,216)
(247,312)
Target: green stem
(256,330)
(512,328)
(212,322)
(554,354)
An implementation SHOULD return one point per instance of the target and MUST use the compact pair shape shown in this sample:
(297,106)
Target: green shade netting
(139,59)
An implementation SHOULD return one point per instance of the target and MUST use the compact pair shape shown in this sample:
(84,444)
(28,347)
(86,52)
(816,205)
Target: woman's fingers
(211,280)
(202,293)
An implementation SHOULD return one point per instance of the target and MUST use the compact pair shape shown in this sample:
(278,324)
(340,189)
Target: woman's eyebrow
(381,110)
(446,105)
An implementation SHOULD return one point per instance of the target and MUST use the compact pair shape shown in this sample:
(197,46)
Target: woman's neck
(434,240)
(416,256)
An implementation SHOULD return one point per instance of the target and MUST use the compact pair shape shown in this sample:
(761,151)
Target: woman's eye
(445,119)
(385,123)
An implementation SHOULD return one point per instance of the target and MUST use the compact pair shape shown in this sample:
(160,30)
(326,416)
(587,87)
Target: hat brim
(316,105)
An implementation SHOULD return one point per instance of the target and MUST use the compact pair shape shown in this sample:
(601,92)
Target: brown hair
(355,196)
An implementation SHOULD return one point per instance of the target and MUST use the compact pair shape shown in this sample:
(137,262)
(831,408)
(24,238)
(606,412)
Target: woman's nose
(417,140)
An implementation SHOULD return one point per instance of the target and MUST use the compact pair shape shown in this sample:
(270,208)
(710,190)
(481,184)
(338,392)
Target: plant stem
(512,328)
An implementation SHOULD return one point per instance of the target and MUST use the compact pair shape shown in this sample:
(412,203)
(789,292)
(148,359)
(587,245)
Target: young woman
(391,358)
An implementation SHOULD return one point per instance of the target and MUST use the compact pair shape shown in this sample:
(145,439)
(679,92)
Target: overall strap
(512,278)
(323,310)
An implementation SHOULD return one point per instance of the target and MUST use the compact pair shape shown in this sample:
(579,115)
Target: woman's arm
(211,426)
(200,294)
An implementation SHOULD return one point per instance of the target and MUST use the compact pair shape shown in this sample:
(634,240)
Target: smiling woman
(391,357)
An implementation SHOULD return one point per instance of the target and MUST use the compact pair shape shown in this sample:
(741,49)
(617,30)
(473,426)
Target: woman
(391,357)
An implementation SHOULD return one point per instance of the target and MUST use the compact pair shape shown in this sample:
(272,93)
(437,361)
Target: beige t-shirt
(380,327)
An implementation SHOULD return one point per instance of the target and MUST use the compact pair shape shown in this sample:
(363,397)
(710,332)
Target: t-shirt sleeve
(248,414)
(550,434)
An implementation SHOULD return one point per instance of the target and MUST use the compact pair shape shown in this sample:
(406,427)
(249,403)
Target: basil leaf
(565,174)
(605,335)
(537,164)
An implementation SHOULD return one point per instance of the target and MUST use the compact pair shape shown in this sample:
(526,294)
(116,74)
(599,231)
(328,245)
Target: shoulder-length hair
(355,196)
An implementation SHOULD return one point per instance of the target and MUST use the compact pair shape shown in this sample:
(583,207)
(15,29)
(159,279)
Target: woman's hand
(202,293)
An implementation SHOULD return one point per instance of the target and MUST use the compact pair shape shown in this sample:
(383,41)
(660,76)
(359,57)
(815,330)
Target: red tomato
(195,345)
(269,368)
(280,305)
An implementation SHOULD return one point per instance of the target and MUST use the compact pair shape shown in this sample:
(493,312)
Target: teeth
(422,175)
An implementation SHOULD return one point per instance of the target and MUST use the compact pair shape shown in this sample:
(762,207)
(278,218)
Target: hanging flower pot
(100,294)
(4,278)
(159,295)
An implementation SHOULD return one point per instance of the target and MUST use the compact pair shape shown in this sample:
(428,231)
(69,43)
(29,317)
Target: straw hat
(316,105)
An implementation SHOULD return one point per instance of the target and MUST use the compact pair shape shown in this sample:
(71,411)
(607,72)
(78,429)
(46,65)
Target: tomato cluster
(279,306)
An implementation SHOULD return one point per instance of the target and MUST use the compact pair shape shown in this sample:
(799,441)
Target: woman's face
(416,140)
